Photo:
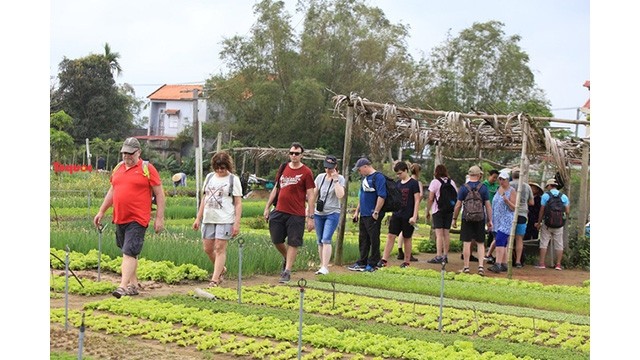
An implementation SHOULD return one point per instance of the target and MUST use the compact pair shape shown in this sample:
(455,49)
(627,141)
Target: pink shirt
(434,187)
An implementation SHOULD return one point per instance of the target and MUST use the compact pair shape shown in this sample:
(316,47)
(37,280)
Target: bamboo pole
(346,160)
(523,167)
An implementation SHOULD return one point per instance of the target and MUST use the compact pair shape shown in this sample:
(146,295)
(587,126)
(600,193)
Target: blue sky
(179,41)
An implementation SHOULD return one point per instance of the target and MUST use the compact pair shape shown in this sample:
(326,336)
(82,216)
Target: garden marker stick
(81,338)
(444,263)
(66,289)
(240,244)
(301,283)
(100,227)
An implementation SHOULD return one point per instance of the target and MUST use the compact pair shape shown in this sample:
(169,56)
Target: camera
(320,205)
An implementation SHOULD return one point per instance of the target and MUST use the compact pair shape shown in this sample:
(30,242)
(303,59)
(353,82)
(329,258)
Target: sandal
(213,284)
(119,292)
(481,270)
(132,290)
(465,270)
(224,271)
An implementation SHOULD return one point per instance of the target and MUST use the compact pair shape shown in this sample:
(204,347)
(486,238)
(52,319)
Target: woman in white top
(219,213)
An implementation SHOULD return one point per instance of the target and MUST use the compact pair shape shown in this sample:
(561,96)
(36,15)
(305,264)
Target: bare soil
(98,345)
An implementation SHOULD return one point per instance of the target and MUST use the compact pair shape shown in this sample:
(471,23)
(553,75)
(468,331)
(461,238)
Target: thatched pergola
(387,124)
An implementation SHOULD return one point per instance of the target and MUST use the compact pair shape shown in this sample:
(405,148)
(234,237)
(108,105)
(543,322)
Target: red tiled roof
(175,92)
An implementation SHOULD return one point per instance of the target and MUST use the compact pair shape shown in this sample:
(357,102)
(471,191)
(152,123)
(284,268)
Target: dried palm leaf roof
(387,124)
(280,154)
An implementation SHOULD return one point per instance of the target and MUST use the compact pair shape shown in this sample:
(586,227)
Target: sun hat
(475,170)
(551,181)
(361,162)
(130,145)
(503,175)
(536,185)
(176,177)
(330,162)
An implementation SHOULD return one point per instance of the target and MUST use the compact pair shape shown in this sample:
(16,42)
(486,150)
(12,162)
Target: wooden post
(524,166)
(584,191)
(346,171)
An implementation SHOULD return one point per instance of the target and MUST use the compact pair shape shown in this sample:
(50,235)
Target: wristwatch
(310,216)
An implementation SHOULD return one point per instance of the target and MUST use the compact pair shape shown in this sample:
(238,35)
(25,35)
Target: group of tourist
(299,201)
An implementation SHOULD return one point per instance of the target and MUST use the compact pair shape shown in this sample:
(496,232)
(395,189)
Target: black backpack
(448,196)
(554,211)
(393,202)
(277,185)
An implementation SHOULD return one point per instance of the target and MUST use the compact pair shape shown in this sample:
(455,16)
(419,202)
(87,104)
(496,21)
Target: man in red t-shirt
(132,183)
(287,220)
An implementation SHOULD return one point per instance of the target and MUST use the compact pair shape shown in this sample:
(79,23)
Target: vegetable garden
(392,313)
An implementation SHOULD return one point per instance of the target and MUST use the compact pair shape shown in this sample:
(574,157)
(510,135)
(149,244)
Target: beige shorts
(547,233)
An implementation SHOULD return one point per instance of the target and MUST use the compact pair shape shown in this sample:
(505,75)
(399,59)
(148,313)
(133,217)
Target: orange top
(132,193)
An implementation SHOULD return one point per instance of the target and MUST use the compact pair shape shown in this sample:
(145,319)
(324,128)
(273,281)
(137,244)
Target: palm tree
(112,58)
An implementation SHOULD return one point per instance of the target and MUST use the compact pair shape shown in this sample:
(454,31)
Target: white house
(172,109)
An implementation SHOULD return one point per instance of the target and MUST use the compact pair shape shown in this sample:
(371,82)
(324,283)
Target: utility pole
(197,144)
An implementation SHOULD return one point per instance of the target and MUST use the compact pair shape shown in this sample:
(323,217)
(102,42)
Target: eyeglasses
(296,153)
(126,153)
(220,168)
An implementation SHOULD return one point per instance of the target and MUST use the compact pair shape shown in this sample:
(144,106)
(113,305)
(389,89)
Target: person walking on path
(287,220)
(441,218)
(372,195)
(547,233)
(477,210)
(503,207)
(132,185)
(329,191)
(415,174)
(219,213)
(526,199)
(403,220)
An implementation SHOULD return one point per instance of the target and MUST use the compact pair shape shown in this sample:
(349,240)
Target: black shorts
(283,225)
(399,225)
(130,238)
(472,230)
(442,219)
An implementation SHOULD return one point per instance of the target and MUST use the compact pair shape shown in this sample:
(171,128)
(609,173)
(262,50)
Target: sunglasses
(126,153)
(296,153)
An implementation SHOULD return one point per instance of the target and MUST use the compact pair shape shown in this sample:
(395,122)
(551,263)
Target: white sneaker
(322,271)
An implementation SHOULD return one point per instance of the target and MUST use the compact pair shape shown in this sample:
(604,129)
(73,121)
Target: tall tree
(482,69)
(87,92)
(112,58)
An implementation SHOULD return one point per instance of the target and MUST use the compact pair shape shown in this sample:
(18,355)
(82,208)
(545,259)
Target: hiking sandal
(213,284)
(119,292)
(132,290)
(464,270)
(481,270)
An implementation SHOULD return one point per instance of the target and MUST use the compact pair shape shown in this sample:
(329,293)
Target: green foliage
(578,254)
(87,92)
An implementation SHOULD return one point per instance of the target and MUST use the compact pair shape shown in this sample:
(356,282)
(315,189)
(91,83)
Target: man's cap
(361,162)
(551,181)
(504,175)
(475,170)
(330,162)
(176,177)
(130,145)
(536,185)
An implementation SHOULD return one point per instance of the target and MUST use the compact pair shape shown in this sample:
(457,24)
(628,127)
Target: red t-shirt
(294,184)
(132,193)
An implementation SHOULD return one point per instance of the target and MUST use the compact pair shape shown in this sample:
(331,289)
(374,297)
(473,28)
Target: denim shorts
(326,225)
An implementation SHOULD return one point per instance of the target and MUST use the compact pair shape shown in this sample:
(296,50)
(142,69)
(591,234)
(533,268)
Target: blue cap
(360,163)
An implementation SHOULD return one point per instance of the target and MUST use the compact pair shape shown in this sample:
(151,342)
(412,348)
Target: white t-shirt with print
(218,205)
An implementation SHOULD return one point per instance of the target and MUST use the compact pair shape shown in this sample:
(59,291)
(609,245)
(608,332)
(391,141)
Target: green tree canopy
(87,92)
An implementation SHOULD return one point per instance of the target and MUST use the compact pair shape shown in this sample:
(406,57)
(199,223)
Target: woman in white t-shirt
(219,213)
